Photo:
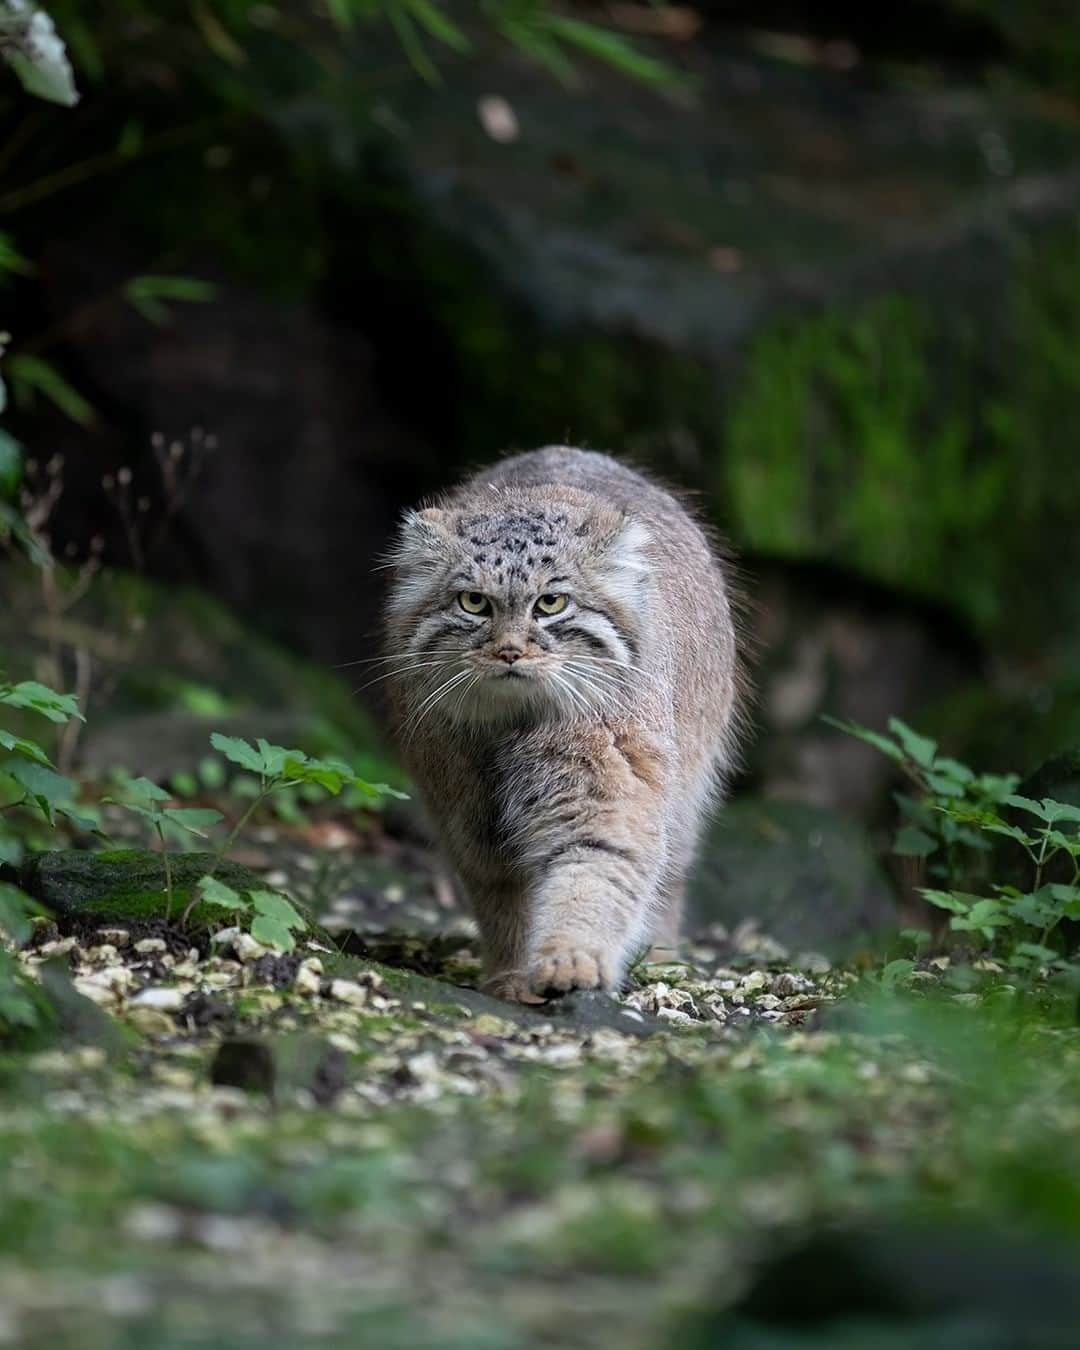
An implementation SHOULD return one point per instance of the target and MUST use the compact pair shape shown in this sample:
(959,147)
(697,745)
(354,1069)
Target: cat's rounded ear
(628,550)
(422,537)
(626,565)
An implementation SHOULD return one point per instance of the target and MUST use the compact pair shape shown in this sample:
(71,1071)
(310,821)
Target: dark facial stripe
(444,629)
(631,643)
(590,639)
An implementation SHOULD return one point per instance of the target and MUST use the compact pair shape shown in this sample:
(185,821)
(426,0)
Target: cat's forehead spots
(514,543)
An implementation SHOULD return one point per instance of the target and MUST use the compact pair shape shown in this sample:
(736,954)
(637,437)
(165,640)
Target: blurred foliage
(1042,36)
(892,439)
(952,825)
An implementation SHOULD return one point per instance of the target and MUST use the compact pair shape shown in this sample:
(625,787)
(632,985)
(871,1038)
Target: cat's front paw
(559,967)
(512,986)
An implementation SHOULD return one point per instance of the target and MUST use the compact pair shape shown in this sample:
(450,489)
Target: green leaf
(377,790)
(1009,831)
(539,45)
(919,748)
(41,699)
(989,913)
(1068,898)
(1055,811)
(18,745)
(874,738)
(275,757)
(145,791)
(896,971)
(16,911)
(1036,952)
(911,842)
(11,260)
(411,45)
(1037,908)
(1069,842)
(271,933)
(271,905)
(330,774)
(151,813)
(11,848)
(954,901)
(11,459)
(438,24)
(1027,804)
(918,937)
(80,818)
(30,375)
(214,892)
(194,819)
(952,768)
(148,294)
(47,787)
(611,48)
(237,751)
(997,787)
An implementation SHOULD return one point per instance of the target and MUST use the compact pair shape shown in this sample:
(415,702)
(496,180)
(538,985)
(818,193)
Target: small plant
(144,798)
(27,775)
(23,1005)
(953,825)
(935,828)
(271,918)
(275,772)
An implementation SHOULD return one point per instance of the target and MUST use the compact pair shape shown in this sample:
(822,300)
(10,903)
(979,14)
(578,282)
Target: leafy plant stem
(265,789)
(168,871)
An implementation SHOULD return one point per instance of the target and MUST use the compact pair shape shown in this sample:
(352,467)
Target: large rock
(826,647)
(839,306)
(806,875)
(128,884)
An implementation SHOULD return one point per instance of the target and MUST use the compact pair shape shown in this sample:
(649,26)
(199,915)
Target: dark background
(827,277)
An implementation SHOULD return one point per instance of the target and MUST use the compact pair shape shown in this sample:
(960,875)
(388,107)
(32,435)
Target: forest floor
(352,1145)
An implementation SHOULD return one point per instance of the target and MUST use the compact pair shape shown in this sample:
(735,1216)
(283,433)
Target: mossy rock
(807,875)
(128,884)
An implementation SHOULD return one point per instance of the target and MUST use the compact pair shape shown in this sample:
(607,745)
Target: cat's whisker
(628,673)
(412,726)
(466,690)
(383,660)
(602,677)
(576,698)
(402,670)
(608,691)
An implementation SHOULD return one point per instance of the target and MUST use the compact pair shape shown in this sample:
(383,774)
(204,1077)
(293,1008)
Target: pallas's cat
(565,685)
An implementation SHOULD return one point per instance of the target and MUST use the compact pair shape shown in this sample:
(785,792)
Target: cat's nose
(509,654)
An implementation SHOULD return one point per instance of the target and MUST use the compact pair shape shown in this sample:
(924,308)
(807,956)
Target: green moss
(897,440)
(128,884)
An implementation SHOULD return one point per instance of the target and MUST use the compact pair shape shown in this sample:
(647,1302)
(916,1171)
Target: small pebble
(345,991)
(164,999)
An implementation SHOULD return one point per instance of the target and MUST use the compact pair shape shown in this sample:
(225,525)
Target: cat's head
(530,602)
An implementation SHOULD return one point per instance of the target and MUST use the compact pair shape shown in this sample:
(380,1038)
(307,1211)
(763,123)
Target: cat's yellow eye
(551,604)
(472,602)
